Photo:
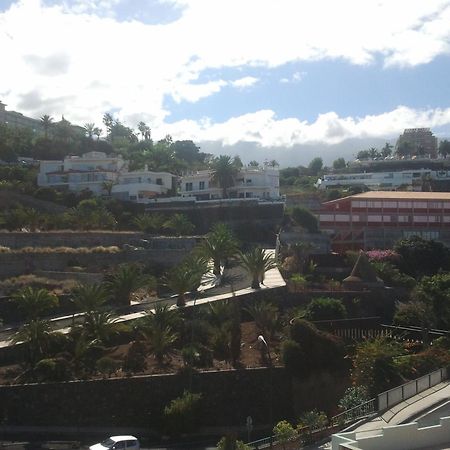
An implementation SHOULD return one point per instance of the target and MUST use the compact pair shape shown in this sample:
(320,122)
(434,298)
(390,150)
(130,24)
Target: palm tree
(34,302)
(145,131)
(161,317)
(36,335)
(179,224)
(224,171)
(180,280)
(47,122)
(89,128)
(386,150)
(219,245)
(123,283)
(89,297)
(257,262)
(149,223)
(161,342)
(97,131)
(100,326)
(107,186)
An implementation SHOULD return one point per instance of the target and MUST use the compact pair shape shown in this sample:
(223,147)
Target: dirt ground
(252,355)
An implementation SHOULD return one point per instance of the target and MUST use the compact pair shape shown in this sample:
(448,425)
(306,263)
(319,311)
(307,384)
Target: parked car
(117,443)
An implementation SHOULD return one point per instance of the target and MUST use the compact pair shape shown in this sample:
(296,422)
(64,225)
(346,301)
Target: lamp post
(263,342)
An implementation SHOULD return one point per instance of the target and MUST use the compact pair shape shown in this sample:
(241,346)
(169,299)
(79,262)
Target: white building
(383,181)
(93,169)
(251,182)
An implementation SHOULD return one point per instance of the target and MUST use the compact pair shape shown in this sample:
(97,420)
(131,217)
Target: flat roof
(407,195)
(393,195)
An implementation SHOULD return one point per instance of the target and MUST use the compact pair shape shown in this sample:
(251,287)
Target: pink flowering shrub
(383,256)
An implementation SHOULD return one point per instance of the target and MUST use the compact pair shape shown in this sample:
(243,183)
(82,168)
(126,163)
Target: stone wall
(228,397)
(14,264)
(88,239)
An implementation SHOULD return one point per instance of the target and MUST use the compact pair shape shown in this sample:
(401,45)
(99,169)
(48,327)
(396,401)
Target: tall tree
(145,131)
(315,166)
(444,148)
(386,150)
(89,128)
(47,122)
(224,171)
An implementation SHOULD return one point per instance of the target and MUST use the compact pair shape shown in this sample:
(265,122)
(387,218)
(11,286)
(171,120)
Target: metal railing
(363,410)
(394,396)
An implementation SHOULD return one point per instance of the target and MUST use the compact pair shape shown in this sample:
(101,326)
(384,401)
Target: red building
(377,219)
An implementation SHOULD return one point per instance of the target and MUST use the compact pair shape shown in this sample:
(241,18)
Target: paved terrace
(272,280)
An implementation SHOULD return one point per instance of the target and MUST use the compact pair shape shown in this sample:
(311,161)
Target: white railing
(394,396)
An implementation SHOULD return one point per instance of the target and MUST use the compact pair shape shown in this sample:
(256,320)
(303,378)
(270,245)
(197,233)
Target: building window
(188,187)
(405,205)
(330,217)
(375,218)
(201,185)
(389,204)
(403,219)
(159,181)
(342,218)
(420,205)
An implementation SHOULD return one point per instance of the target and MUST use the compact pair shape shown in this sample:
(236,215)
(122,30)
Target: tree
(180,280)
(257,262)
(404,149)
(89,128)
(434,292)
(315,166)
(444,148)
(37,335)
(224,171)
(101,326)
(422,257)
(373,365)
(107,186)
(305,218)
(219,245)
(89,297)
(34,302)
(253,163)
(339,164)
(125,281)
(363,155)
(265,315)
(181,414)
(145,131)
(149,223)
(354,396)
(284,432)
(179,224)
(386,151)
(324,308)
(161,341)
(46,122)
(373,153)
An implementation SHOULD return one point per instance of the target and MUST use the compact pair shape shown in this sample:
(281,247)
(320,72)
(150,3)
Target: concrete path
(273,280)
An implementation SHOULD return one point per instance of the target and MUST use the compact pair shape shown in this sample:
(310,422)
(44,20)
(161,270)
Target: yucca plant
(179,224)
(34,302)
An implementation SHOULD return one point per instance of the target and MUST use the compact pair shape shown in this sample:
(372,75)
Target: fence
(394,396)
(358,412)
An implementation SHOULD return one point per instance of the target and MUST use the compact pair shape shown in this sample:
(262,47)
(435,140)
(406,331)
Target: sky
(266,79)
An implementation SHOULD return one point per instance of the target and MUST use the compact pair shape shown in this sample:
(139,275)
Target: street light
(263,341)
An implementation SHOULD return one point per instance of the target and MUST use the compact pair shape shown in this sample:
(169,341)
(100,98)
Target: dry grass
(65,250)
(14,284)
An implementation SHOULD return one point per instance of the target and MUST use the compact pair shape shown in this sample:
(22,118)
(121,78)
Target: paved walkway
(273,280)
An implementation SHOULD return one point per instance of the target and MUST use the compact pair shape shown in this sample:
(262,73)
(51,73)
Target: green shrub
(135,360)
(197,356)
(293,357)
(311,421)
(52,369)
(230,443)
(107,366)
(354,396)
(284,432)
(325,308)
(181,415)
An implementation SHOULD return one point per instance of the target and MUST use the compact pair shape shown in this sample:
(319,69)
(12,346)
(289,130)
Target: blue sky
(297,78)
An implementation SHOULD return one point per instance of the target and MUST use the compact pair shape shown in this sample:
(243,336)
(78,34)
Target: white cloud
(295,78)
(79,60)
(244,82)
(263,127)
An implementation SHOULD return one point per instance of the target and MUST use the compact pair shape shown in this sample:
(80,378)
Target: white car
(117,443)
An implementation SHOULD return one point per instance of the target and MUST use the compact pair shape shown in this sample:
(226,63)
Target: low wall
(14,264)
(228,398)
(88,239)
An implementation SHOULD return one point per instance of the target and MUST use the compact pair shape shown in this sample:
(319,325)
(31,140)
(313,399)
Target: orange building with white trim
(377,219)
